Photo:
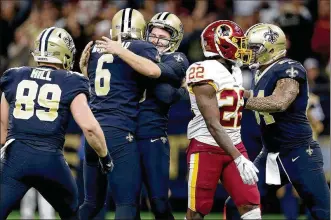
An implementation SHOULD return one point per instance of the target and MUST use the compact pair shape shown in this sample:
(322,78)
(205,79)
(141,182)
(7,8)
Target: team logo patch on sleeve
(271,36)
(179,58)
(292,72)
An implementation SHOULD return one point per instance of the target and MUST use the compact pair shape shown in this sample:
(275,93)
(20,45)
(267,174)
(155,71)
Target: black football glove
(106,164)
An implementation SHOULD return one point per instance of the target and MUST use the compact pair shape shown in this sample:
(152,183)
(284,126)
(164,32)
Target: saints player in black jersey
(162,82)
(35,108)
(280,99)
(115,94)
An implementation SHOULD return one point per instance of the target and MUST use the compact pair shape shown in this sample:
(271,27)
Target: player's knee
(160,207)
(252,212)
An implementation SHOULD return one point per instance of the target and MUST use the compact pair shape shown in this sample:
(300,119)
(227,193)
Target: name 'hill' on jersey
(115,91)
(39,100)
(290,128)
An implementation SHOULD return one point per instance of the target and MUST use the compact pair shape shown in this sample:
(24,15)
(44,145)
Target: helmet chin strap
(164,51)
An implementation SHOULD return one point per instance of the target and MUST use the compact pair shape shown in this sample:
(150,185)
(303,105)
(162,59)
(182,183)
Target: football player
(280,98)
(35,107)
(115,97)
(216,151)
(165,31)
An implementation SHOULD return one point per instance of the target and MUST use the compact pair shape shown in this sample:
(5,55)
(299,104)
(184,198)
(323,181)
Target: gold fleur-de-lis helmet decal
(271,36)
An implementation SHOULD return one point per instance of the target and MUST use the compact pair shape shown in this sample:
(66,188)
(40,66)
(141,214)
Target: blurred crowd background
(306,24)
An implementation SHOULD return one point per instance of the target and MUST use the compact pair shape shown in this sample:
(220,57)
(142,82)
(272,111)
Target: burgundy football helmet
(226,39)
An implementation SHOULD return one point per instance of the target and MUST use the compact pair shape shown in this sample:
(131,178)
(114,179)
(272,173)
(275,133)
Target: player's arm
(173,69)
(168,94)
(91,129)
(84,58)
(207,104)
(90,126)
(140,64)
(4,118)
(282,97)
(168,71)
(206,100)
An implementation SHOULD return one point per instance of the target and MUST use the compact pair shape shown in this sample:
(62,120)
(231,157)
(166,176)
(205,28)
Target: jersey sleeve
(76,84)
(291,69)
(174,69)
(149,51)
(168,94)
(6,81)
(202,72)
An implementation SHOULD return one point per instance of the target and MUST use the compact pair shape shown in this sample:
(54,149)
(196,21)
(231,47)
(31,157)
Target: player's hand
(247,170)
(83,62)
(184,84)
(106,164)
(110,46)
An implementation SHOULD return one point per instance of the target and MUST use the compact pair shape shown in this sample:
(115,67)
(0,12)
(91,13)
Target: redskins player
(216,150)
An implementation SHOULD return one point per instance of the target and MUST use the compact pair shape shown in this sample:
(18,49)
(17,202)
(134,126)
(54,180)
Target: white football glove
(247,170)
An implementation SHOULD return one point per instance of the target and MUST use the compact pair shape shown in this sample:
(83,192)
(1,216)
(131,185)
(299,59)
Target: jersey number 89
(27,93)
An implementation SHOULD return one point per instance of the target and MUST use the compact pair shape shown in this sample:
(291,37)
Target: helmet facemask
(232,48)
(268,43)
(162,44)
(257,50)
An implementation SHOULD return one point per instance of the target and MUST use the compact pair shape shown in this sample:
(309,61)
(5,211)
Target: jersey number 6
(102,75)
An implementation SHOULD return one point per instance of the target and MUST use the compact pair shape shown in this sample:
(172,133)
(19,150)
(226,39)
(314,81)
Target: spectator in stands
(296,22)
(13,14)
(318,82)
(321,37)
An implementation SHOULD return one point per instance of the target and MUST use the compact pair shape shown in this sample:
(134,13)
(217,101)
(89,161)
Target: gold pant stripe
(193,166)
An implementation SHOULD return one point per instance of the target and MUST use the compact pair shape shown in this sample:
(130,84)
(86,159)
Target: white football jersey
(229,94)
